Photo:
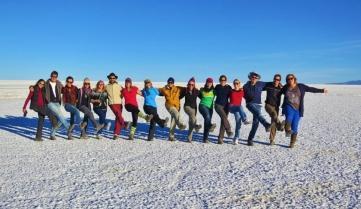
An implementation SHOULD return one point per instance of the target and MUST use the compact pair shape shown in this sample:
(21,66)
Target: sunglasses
(69,81)
(54,76)
(101,84)
(86,83)
(191,84)
(42,84)
(254,77)
(236,83)
(170,83)
(223,80)
(112,78)
(277,79)
(290,78)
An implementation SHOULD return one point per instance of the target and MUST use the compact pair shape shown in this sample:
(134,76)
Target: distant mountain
(356,82)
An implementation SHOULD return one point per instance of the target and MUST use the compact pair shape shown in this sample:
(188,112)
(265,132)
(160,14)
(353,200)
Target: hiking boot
(288,130)
(229,133)
(272,142)
(52,138)
(182,126)
(213,126)
(150,138)
(99,127)
(171,138)
(98,137)
(206,141)
(293,140)
(128,125)
(84,136)
(83,125)
(247,122)
(220,141)
(115,137)
(250,142)
(132,133)
(281,126)
(148,118)
(235,141)
(165,122)
(38,139)
(268,127)
(197,127)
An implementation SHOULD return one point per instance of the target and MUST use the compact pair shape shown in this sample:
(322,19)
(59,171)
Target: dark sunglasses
(290,78)
(277,79)
(170,83)
(112,78)
(223,80)
(43,84)
(54,76)
(254,77)
(191,84)
(86,83)
(69,81)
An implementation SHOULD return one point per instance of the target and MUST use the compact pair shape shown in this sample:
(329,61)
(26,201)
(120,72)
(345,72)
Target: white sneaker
(235,141)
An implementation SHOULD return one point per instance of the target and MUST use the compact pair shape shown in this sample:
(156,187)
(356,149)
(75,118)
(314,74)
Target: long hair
(40,80)
(291,75)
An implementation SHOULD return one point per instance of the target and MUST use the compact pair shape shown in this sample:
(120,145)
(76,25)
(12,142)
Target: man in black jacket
(273,101)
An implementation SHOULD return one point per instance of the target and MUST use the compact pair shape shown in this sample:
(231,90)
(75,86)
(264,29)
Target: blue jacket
(303,89)
(150,96)
(253,94)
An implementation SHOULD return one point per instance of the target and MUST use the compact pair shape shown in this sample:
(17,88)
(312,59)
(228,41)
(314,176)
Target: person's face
(54,78)
(101,86)
(69,82)
(254,79)
(290,80)
(209,84)
(223,81)
(191,85)
(41,84)
(128,84)
(86,84)
(170,84)
(237,85)
(148,85)
(277,81)
(112,79)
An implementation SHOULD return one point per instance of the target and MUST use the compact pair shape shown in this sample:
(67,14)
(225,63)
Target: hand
(31,88)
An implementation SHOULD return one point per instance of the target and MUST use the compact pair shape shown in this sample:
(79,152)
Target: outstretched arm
(30,95)
(314,90)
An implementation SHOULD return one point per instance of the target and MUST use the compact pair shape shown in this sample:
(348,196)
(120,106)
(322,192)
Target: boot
(288,129)
(250,142)
(293,140)
(83,125)
(70,132)
(272,141)
(229,133)
(281,125)
(38,139)
(132,133)
(213,126)
(182,126)
(115,137)
(220,140)
(99,127)
(197,127)
(145,117)
(171,138)
(128,125)
(84,136)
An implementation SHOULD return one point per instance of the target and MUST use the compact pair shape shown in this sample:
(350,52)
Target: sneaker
(229,133)
(38,139)
(272,142)
(148,118)
(115,137)
(268,128)
(99,127)
(107,127)
(247,122)
(98,137)
(197,127)
(182,126)
(235,141)
(213,126)
(84,136)
(250,142)
(52,138)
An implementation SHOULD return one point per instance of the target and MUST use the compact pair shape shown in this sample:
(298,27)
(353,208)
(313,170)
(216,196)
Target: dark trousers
(135,111)
(41,120)
(155,120)
(207,116)
(102,114)
(88,115)
(273,112)
(223,114)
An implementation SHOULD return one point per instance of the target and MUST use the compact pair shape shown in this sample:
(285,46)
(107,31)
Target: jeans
(239,116)
(150,110)
(223,114)
(293,118)
(256,110)
(54,107)
(191,112)
(119,120)
(207,115)
(74,113)
(102,114)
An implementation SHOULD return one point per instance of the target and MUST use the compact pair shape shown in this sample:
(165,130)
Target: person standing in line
(36,97)
(150,107)
(84,97)
(235,107)
(53,89)
(172,104)
(191,94)
(293,104)
(115,103)
(273,101)
(206,95)
(223,92)
(129,94)
(70,100)
(252,93)
(99,99)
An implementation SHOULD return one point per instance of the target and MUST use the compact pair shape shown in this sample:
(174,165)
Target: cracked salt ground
(323,170)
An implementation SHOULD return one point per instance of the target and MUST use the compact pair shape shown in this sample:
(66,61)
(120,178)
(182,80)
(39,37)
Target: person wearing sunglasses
(253,93)
(70,100)
(235,107)
(172,95)
(273,101)
(115,104)
(99,99)
(84,100)
(129,94)
(190,95)
(293,104)
(223,92)
(53,89)
(207,95)
(150,107)
(36,97)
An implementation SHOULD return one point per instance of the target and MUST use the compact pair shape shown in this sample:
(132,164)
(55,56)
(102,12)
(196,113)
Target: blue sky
(320,41)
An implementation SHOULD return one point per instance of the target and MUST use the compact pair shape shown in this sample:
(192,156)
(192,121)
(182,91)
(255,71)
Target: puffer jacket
(172,96)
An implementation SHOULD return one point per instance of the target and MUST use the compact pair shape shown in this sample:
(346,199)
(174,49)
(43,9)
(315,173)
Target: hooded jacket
(172,96)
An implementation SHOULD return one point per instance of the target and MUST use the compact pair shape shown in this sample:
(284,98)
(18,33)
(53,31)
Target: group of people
(46,98)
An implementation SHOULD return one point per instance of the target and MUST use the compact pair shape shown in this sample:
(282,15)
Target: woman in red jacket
(235,107)
(129,94)
(37,101)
